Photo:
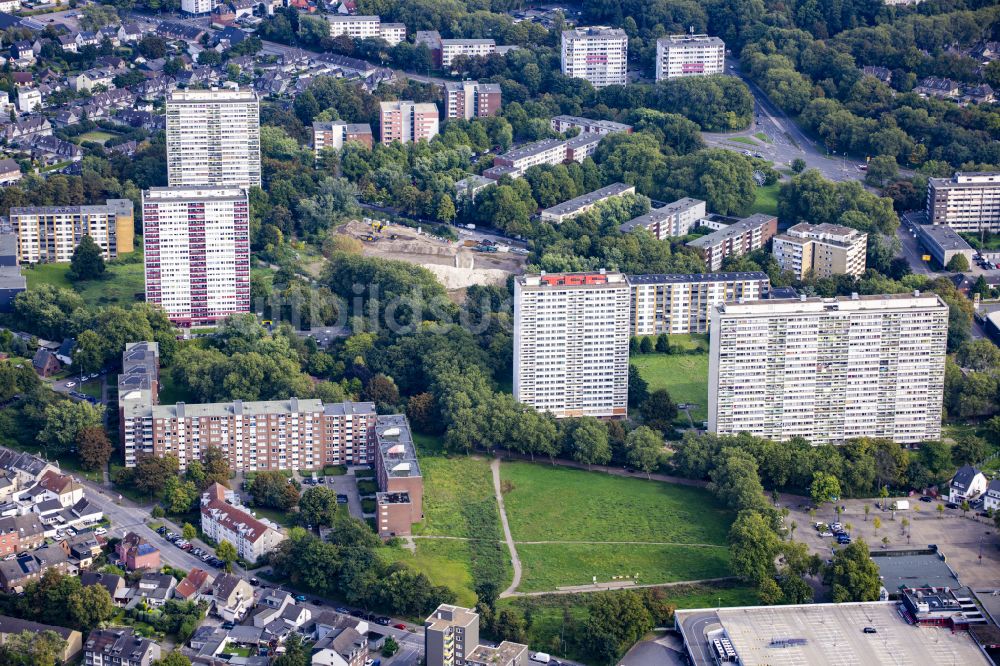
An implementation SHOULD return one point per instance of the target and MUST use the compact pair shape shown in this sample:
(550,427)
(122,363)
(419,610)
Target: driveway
(347,484)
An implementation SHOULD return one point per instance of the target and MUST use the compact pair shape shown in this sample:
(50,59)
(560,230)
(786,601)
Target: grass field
(97,136)
(119,287)
(550,503)
(444,562)
(170,393)
(763,137)
(546,567)
(766,200)
(449,484)
(685,376)
(744,140)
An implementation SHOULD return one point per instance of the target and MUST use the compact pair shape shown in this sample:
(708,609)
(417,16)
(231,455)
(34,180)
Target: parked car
(161,530)
(384,621)
(951,505)
(926,498)
(342,610)
(357,613)
(400,626)
(255,582)
(300,597)
(870,630)
(826,533)
(341,499)
(100,531)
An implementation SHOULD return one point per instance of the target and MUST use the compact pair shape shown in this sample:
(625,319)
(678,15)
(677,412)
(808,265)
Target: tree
(90,606)
(969,450)
(824,488)
(64,419)
(152,472)
(390,647)
(93,447)
(638,388)
(659,410)
(318,506)
(644,446)
(798,165)
(904,524)
(30,648)
(616,621)
(979,355)
(645,345)
(940,510)
(854,575)
(446,209)
(958,263)
(216,467)
(509,626)
(966,507)
(868,509)
(590,442)
(173,659)
(274,490)
(87,262)
(752,547)
(881,169)
(188,531)
(876,524)
(226,552)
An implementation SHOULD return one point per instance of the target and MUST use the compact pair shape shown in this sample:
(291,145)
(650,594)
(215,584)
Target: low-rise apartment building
(581,204)
(30,566)
(336,133)
(673,220)
(547,151)
(471,99)
(829,369)
(821,250)
(399,502)
(472,48)
(119,646)
(586,125)
(682,304)
(597,54)
(48,234)
(736,239)
(407,121)
(689,55)
(571,334)
(222,521)
(365,27)
(968,201)
(20,533)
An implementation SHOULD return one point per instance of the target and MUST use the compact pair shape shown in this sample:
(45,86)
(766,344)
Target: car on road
(342,610)
(870,630)
(70,384)
(400,625)
(951,505)
(926,498)
(383,620)
(300,598)
(341,499)
(255,582)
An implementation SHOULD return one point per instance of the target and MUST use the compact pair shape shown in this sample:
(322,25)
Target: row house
(26,129)
(50,149)
(31,566)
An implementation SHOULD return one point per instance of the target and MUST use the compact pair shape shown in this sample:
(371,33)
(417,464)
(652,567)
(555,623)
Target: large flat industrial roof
(814,634)
(916,569)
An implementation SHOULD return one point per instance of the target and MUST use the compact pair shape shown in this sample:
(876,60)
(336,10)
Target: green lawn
(92,388)
(561,504)
(766,200)
(450,484)
(685,376)
(444,562)
(171,393)
(763,137)
(546,567)
(122,284)
(283,518)
(743,139)
(97,136)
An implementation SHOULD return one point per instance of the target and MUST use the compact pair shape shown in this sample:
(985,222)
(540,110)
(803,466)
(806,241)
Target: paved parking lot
(961,539)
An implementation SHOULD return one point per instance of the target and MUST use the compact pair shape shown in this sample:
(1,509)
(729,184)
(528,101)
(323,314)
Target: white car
(100,531)
(70,384)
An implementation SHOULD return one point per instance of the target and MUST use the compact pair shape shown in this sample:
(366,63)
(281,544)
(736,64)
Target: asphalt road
(694,630)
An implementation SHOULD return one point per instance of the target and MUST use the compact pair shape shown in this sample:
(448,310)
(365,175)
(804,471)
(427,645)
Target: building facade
(223,521)
(829,370)
(681,304)
(967,202)
(571,338)
(407,122)
(197,252)
(471,99)
(451,638)
(547,151)
(213,138)
(119,646)
(596,54)
(689,55)
(583,203)
(400,500)
(673,220)
(736,239)
(336,133)
(586,125)
(356,27)
(452,48)
(821,250)
(47,234)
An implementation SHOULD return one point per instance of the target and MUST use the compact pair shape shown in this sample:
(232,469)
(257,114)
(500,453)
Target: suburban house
(82,548)
(344,647)
(20,533)
(967,484)
(54,486)
(155,589)
(45,363)
(137,553)
(278,615)
(119,646)
(16,573)
(992,498)
(222,521)
(232,597)
(113,583)
(10,172)
(196,585)
(10,626)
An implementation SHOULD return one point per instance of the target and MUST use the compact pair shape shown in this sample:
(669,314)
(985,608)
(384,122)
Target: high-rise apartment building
(673,220)
(471,99)
(736,239)
(407,122)
(451,638)
(571,333)
(597,54)
(197,252)
(968,201)
(680,304)
(213,138)
(829,369)
(821,250)
(689,55)
(47,234)
(338,132)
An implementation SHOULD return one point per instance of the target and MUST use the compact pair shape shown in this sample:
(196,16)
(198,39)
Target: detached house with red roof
(223,520)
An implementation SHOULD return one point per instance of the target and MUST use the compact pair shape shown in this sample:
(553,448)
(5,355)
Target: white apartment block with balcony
(452,48)
(197,7)
(571,334)
(197,252)
(673,220)
(597,54)
(821,250)
(829,369)
(678,56)
(366,27)
(213,138)
(681,304)
(966,202)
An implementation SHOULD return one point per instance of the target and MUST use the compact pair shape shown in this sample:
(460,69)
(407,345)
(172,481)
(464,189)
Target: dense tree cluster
(62,601)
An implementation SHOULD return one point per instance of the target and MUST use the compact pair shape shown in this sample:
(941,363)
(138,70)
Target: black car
(254,582)
(384,621)
(870,630)
(357,613)
(926,498)
(161,530)
(341,499)
(951,505)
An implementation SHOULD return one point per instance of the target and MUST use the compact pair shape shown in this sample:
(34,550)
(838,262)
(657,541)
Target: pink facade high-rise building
(471,99)
(197,252)
(407,121)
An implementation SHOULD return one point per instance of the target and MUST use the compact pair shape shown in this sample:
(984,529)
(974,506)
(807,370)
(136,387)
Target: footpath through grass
(562,505)
(685,376)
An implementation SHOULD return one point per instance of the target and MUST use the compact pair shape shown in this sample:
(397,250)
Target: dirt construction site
(455,263)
